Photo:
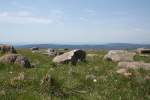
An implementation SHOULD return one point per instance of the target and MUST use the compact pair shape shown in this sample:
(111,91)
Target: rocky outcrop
(143,51)
(7,49)
(125,66)
(134,65)
(73,56)
(34,48)
(16,59)
(54,52)
(119,55)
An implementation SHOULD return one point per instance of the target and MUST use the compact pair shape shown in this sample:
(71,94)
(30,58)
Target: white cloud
(58,16)
(90,12)
(23,17)
(22,6)
(87,15)
(3,14)
(24,13)
(83,19)
(139,30)
(57,12)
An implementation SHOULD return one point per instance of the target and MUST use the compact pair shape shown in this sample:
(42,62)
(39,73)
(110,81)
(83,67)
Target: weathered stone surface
(134,65)
(60,52)
(143,51)
(73,56)
(124,71)
(16,59)
(119,55)
(7,48)
(34,48)
(53,52)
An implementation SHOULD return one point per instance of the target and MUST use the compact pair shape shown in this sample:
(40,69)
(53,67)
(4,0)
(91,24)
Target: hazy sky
(75,21)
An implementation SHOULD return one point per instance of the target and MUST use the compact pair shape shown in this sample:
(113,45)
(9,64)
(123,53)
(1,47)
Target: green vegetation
(95,79)
(143,58)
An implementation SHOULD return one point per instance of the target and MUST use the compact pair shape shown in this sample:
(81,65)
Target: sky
(75,21)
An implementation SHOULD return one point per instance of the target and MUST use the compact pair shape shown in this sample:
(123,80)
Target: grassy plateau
(95,79)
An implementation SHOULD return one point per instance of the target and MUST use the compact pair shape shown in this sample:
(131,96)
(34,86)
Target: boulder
(143,51)
(124,72)
(53,52)
(134,65)
(7,49)
(34,48)
(16,59)
(73,56)
(119,55)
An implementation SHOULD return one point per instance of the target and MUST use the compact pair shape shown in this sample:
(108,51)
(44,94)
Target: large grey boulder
(73,56)
(7,48)
(119,55)
(134,65)
(143,51)
(125,66)
(16,59)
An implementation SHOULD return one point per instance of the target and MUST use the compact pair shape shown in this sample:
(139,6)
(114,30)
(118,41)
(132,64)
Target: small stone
(121,71)
(94,80)
(10,72)
(127,74)
(124,72)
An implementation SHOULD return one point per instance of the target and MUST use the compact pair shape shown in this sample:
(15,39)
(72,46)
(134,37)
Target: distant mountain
(101,46)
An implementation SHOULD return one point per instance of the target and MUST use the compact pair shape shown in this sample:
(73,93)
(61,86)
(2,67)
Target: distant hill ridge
(101,46)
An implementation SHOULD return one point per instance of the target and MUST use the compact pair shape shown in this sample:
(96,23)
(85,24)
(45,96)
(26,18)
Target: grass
(143,58)
(73,82)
